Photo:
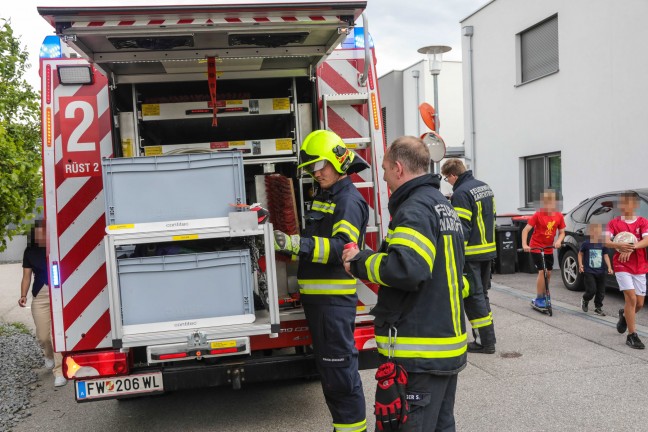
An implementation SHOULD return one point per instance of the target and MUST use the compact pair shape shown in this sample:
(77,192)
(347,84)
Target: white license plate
(119,386)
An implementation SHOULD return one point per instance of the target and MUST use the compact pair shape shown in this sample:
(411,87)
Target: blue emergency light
(355,39)
(51,47)
(56,276)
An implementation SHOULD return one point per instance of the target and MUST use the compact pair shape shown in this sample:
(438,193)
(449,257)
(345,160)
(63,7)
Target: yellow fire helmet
(323,146)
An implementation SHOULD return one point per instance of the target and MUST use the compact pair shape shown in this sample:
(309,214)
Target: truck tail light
(95,364)
(172,356)
(224,351)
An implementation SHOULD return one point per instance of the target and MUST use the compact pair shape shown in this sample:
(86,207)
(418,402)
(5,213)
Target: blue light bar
(355,39)
(51,47)
(56,276)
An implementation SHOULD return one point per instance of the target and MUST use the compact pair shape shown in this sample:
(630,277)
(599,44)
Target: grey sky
(398,27)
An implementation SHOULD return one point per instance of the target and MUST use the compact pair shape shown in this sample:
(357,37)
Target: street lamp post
(435,57)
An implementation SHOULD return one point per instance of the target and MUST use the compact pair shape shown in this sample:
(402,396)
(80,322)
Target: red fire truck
(159,134)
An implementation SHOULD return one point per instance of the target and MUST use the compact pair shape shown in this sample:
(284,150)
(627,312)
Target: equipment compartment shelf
(249,148)
(237,131)
(226,108)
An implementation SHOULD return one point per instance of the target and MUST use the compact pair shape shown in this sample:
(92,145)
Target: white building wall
(412,122)
(398,92)
(15,249)
(450,102)
(593,110)
(391,88)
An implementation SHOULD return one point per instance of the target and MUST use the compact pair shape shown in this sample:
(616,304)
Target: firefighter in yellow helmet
(338,215)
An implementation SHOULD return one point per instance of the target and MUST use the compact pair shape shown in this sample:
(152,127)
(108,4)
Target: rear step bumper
(234,374)
(287,367)
(253,370)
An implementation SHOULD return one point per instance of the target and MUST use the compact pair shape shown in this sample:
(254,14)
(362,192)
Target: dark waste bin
(524,259)
(506,241)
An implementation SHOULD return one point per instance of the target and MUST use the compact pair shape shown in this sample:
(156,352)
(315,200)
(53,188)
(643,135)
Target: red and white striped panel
(339,75)
(208,21)
(75,209)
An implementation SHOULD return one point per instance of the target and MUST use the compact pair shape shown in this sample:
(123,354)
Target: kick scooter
(547,297)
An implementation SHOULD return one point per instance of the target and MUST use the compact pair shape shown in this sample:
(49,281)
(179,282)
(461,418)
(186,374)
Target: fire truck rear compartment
(156,61)
(175,118)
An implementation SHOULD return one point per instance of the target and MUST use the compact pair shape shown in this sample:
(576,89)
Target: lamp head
(435,56)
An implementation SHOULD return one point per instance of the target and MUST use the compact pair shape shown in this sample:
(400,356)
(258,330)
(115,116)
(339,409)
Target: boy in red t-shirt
(630,264)
(545,223)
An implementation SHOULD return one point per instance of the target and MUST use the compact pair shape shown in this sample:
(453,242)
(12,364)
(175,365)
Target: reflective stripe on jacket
(338,216)
(420,267)
(474,202)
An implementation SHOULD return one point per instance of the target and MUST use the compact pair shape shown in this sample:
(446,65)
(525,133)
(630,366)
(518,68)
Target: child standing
(545,222)
(591,257)
(630,264)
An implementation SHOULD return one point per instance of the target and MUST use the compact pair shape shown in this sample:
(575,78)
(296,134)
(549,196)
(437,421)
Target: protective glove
(288,244)
(391,407)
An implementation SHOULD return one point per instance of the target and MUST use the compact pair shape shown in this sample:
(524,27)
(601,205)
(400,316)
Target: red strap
(211,81)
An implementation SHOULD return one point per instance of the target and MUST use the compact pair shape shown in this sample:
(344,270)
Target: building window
(542,172)
(538,50)
(383,112)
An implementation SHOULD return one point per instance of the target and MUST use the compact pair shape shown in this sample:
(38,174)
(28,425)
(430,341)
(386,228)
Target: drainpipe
(468,32)
(415,75)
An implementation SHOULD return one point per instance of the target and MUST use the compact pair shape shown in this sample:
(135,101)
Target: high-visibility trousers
(331,328)
(431,399)
(476,304)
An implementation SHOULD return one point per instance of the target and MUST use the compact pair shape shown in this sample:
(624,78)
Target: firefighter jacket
(419,267)
(338,216)
(474,202)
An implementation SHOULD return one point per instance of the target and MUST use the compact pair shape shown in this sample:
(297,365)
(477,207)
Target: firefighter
(419,318)
(474,202)
(338,216)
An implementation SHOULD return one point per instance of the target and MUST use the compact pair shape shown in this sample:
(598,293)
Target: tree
(20,158)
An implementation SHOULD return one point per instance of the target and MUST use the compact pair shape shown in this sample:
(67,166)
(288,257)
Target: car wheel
(569,271)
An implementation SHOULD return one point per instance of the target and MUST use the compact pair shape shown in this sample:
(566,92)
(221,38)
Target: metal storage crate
(186,287)
(172,187)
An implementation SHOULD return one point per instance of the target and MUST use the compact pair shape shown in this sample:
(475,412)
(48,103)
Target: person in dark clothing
(419,316)
(594,263)
(339,215)
(474,202)
(35,264)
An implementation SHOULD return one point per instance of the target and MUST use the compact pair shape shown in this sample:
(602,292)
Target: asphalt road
(569,372)
(526,282)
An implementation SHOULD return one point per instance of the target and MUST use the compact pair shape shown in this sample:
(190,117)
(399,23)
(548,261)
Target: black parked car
(599,209)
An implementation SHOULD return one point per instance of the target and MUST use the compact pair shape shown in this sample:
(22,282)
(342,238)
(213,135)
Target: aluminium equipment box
(172,187)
